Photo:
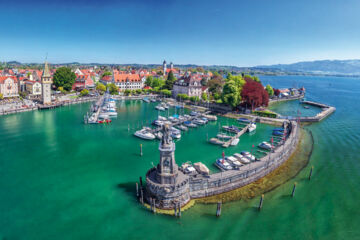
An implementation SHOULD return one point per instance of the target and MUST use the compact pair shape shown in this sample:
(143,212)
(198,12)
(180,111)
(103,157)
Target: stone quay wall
(229,180)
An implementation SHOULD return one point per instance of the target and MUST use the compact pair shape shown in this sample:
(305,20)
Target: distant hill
(332,67)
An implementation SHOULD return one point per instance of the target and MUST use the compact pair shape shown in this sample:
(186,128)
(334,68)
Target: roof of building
(46,72)
(3,78)
(123,77)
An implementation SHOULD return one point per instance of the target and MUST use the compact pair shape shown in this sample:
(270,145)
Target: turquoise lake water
(61,179)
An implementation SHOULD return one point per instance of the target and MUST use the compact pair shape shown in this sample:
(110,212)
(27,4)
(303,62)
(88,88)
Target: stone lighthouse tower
(164,67)
(46,85)
(165,183)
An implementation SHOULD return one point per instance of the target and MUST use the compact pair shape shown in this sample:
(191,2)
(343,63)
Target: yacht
(232,129)
(187,168)
(158,123)
(248,155)
(145,134)
(252,127)
(175,133)
(201,168)
(233,162)
(190,124)
(161,118)
(182,127)
(244,120)
(199,121)
(265,145)
(160,108)
(223,164)
(241,158)
(216,141)
(223,136)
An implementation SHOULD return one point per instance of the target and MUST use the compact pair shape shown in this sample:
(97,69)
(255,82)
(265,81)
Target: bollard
(141,196)
(137,190)
(293,191)
(261,201)
(141,153)
(311,171)
(140,182)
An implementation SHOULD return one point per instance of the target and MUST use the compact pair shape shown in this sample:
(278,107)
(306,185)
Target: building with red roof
(128,81)
(9,86)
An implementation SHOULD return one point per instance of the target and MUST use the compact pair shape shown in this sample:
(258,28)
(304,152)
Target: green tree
(182,97)
(101,88)
(158,83)
(64,77)
(149,81)
(106,73)
(166,92)
(84,92)
(194,99)
(113,89)
(204,96)
(270,90)
(231,94)
(127,92)
(170,81)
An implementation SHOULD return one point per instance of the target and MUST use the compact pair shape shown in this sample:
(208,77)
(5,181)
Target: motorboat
(145,134)
(233,162)
(162,118)
(210,117)
(223,164)
(252,127)
(160,108)
(103,115)
(248,155)
(182,127)
(278,133)
(187,168)
(201,168)
(278,129)
(205,120)
(158,135)
(176,135)
(199,121)
(158,123)
(241,158)
(244,120)
(146,100)
(216,141)
(194,113)
(265,145)
(190,124)
(223,136)
(232,129)
(235,142)
(153,100)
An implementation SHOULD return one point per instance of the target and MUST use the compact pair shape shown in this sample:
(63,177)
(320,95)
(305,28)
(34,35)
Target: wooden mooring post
(141,196)
(179,210)
(261,201)
(293,190)
(137,190)
(175,210)
(218,209)
(311,171)
(154,205)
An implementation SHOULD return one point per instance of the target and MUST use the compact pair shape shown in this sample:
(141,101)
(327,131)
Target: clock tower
(46,85)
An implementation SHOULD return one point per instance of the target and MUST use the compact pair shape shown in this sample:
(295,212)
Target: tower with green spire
(46,82)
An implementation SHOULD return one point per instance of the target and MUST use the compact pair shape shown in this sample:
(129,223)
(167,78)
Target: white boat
(199,121)
(233,162)
(216,141)
(201,168)
(223,136)
(158,135)
(194,113)
(189,170)
(235,142)
(160,108)
(162,118)
(103,115)
(223,164)
(252,127)
(158,123)
(211,117)
(182,127)
(112,113)
(190,124)
(265,145)
(144,134)
(146,100)
(248,155)
(152,99)
(241,158)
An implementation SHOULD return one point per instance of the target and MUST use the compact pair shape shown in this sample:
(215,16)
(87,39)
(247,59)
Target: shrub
(265,114)
(84,92)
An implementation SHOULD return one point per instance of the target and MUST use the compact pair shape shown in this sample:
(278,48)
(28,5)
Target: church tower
(164,67)
(46,85)
(171,66)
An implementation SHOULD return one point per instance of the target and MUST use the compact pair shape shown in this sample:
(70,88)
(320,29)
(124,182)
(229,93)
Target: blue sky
(241,33)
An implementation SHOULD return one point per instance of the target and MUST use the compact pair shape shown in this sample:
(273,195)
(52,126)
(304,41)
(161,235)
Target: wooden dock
(227,143)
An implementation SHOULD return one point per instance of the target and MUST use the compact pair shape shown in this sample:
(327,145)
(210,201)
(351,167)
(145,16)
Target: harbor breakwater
(167,196)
